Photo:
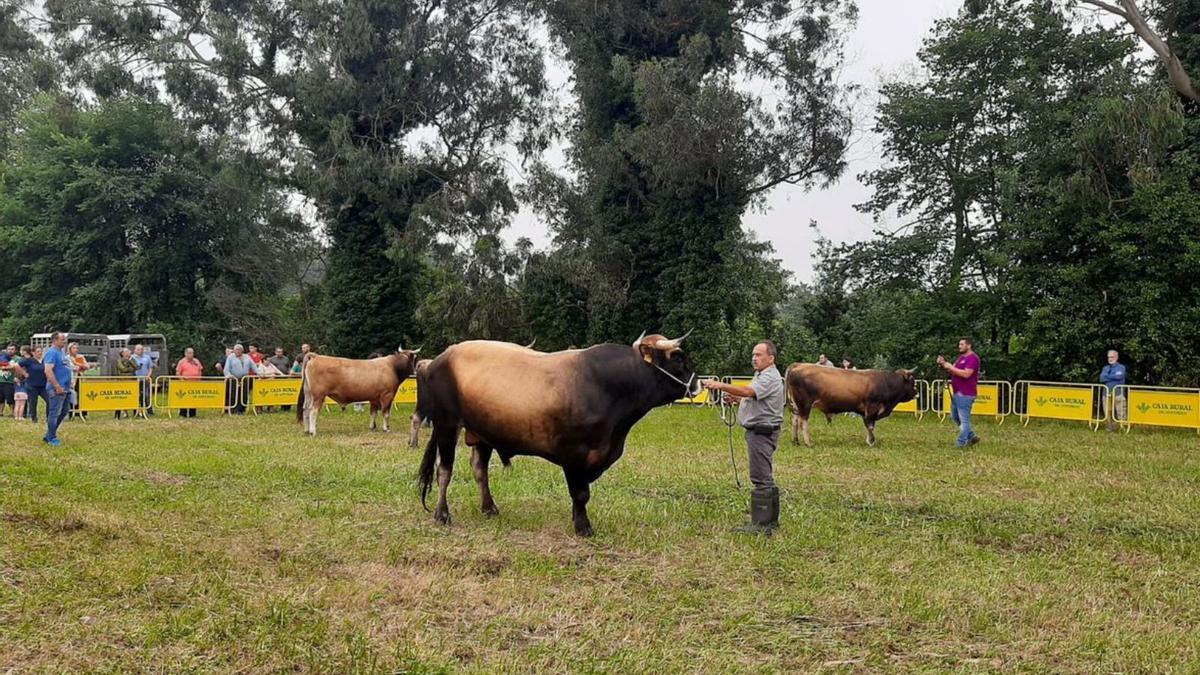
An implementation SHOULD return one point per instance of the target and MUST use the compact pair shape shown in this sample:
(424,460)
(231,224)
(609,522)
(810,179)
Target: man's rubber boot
(764,511)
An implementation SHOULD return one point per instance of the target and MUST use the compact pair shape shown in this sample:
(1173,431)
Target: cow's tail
(300,399)
(425,474)
(303,386)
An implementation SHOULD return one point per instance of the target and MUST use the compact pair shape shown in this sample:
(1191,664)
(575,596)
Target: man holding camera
(760,412)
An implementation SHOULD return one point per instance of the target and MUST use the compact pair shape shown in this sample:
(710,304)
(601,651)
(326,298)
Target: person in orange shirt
(189,368)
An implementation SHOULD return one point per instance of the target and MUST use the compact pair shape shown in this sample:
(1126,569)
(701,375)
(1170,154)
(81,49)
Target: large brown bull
(573,408)
(419,416)
(374,381)
(873,394)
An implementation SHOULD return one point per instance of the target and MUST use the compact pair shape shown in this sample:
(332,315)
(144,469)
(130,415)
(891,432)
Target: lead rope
(729,420)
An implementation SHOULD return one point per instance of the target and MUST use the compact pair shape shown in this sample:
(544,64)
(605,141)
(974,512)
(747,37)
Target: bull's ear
(647,353)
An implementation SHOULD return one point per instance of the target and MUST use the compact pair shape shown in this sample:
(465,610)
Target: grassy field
(241,545)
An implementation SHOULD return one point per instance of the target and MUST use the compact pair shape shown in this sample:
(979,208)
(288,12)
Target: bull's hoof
(583,531)
(441,517)
(491,511)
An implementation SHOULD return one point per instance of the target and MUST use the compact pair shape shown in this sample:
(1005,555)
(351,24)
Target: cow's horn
(639,340)
(416,351)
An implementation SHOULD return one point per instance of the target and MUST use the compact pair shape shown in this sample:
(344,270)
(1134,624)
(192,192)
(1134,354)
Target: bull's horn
(639,340)
(416,351)
(667,345)
(531,344)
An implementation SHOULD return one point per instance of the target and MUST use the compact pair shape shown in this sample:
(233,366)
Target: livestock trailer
(93,346)
(155,344)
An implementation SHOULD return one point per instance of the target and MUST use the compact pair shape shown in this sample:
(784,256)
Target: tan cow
(374,381)
(873,394)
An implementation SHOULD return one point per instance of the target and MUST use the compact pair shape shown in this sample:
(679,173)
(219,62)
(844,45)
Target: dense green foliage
(117,216)
(1048,190)
(341,173)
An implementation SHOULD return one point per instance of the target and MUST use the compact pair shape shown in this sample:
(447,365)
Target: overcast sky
(885,42)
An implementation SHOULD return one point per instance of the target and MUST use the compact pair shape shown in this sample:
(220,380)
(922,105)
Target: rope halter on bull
(666,346)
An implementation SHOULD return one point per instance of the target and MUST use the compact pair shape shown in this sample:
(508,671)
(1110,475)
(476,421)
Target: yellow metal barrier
(1060,401)
(703,398)
(269,391)
(1157,406)
(994,399)
(737,381)
(206,393)
(109,394)
(919,405)
(407,393)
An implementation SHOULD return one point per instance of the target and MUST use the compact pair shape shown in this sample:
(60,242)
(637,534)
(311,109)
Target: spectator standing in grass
(80,366)
(35,382)
(964,381)
(59,372)
(20,388)
(8,387)
(1113,376)
(145,369)
(124,367)
(237,366)
(189,368)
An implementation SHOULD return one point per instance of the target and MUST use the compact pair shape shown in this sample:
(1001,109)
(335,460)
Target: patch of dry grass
(241,545)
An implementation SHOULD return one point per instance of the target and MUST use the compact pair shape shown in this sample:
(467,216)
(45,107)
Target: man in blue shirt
(237,367)
(1113,376)
(58,375)
(145,368)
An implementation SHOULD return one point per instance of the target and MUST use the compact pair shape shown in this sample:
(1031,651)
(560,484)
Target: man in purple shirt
(964,378)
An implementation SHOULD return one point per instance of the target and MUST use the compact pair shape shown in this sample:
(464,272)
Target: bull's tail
(425,474)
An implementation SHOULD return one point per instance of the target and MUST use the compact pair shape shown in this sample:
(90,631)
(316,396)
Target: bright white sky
(884,43)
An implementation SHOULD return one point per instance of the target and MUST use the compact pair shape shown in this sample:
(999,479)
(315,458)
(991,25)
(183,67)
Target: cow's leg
(447,439)
(414,431)
(577,484)
(386,404)
(374,412)
(313,404)
(871,414)
(481,456)
(800,422)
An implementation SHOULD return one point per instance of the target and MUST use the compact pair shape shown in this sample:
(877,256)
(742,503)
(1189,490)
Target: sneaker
(974,441)
(54,442)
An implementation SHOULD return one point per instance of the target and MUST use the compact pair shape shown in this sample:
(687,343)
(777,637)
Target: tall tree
(387,114)
(673,143)
(116,217)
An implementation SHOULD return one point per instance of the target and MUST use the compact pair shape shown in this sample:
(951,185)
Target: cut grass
(223,544)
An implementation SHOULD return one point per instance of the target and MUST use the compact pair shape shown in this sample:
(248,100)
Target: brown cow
(414,432)
(351,381)
(873,394)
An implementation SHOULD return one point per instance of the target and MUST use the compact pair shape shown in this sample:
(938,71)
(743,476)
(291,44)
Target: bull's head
(908,384)
(667,356)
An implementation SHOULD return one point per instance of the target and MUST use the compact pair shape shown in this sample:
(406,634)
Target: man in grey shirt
(760,412)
